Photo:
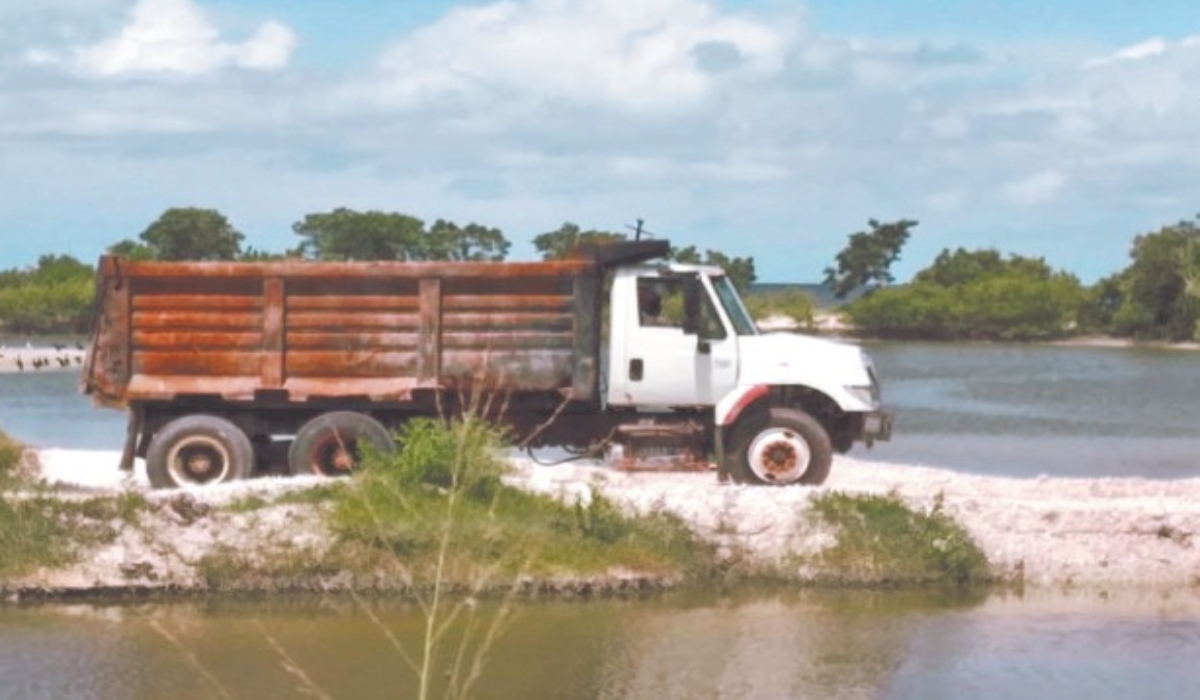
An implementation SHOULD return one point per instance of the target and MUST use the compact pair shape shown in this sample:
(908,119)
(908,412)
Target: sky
(764,128)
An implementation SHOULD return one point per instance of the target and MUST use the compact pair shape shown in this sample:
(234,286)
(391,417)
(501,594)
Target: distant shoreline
(1101,341)
(40,358)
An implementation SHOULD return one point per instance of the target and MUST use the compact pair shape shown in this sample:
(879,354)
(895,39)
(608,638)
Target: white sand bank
(1090,533)
(40,358)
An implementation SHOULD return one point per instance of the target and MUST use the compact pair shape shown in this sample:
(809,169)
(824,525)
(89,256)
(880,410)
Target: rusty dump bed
(296,331)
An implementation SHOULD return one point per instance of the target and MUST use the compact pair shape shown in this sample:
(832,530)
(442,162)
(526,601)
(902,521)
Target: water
(1020,410)
(1011,410)
(764,646)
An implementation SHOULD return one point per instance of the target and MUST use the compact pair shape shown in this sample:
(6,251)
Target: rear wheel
(780,447)
(198,450)
(331,444)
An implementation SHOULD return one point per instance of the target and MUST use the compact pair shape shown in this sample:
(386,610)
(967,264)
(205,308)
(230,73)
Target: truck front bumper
(876,427)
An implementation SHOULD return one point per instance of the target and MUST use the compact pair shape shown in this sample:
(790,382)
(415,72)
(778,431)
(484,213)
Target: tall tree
(186,233)
(568,239)
(867,259)
(449,241)
(345,234)
(1161,287)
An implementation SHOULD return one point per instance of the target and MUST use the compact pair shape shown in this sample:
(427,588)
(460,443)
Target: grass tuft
(397,508)
(880,540)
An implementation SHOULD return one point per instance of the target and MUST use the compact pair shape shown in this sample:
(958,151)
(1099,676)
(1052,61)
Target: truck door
(666,366)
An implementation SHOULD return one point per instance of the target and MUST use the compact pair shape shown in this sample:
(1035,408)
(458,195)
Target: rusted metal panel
(196,340)
(164,387)
(197,320)
(332,340)
(349,319)
(507,341)
(398,388)
(176,302)
(350,363)
(351,270)
(190,362)
(108,367)
(586,324)
(379,330)
(527,370)
(429,337)
(507,321)
(273,332)
(526,302)
(355,302)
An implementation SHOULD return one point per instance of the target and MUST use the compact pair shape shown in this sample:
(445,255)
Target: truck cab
(778,405)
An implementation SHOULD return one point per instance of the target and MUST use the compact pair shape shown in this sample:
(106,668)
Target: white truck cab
(682,342)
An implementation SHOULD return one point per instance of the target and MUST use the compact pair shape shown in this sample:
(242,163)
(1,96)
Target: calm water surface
(858,645)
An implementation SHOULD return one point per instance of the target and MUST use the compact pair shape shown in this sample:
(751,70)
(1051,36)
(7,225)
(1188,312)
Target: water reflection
(830,645)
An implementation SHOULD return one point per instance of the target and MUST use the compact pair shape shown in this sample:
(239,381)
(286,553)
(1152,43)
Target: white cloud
(1146,49)
(1035,189)
(174,37)
(646,56)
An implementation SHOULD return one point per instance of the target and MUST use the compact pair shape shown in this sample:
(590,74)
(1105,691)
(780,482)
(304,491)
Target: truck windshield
(738,316)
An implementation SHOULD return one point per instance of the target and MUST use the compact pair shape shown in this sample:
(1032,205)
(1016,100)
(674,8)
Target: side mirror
(692,289)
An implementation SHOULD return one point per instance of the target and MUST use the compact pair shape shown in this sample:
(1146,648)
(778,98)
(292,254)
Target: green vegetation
(38,529)
(880,540)
(976,295)
(1158,296)
(10,460)
(962,294)
(867,259)
(398,507)
(53,297)
(185,234)
(345,234)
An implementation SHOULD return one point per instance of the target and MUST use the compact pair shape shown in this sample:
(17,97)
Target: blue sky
(757,127)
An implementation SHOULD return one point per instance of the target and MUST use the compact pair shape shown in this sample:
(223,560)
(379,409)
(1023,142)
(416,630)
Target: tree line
(986,295)
(55,296)
(962,294)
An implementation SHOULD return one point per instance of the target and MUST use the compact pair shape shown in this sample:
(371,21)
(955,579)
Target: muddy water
(850,645)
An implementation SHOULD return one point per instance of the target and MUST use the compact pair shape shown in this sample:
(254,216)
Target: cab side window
(660,305)
(660,302)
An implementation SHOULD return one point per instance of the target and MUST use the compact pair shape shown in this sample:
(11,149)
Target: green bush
(10,459)
(445,482)
(54,297)
(880,540)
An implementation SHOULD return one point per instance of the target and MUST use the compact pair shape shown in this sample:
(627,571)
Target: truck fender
(731,405)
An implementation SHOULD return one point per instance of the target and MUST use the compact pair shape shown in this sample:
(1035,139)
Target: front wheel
(331,443)
(780,447)
(198,450)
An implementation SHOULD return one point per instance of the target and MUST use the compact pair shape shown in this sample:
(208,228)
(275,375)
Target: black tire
(197,450)
(329,444)
(780,447)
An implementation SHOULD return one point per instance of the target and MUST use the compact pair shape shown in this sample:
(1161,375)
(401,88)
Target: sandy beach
(1046,533)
